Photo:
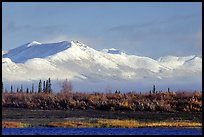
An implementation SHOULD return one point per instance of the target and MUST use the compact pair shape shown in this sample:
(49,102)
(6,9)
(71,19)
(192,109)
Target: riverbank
(115,123)
(96,118)
(106,123)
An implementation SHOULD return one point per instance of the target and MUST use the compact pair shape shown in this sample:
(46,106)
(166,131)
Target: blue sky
(145,29)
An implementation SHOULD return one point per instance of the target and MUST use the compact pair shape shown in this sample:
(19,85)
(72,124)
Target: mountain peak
(78,43)
(33,43)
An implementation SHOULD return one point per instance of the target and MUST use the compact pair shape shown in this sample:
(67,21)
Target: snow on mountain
(76,61)
(33,43)
(35,50)
(4,52)
(112,51)
(175,62)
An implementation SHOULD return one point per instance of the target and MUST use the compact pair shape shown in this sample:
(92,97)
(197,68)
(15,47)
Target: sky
(152,29)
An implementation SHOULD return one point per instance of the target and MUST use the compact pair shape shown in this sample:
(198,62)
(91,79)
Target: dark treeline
(45,89)
(153,100)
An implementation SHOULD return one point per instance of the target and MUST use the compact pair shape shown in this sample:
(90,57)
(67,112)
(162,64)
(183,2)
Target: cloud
(90,41)
(133,27)
(47,34)
(169,36)
(12,27)
(199,36)
(52,39)
(152,30)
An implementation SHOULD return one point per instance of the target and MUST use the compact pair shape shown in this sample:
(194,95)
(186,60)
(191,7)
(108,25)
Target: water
(102,131)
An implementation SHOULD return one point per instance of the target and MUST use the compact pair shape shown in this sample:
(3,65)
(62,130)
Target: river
(102,131)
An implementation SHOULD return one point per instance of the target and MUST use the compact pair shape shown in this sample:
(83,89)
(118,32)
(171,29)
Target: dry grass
(136,124)
(171,124)
(70,124)
(6,124)
(115,123)
(106,123)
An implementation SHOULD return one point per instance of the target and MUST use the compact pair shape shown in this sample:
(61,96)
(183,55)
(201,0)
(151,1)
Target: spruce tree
(27,90)
(153,90)
(44,87)
(168,89)
(11,89)
(49,86)
(40,87)
(21,90)
(32,91)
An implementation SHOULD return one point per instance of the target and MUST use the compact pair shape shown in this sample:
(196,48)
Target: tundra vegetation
(115,123)
(11,124)
(155,101)
(67,99)
(106,123)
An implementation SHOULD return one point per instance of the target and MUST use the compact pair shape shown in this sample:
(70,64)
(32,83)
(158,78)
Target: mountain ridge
(75,60)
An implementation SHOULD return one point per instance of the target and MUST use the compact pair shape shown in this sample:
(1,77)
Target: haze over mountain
(88,67)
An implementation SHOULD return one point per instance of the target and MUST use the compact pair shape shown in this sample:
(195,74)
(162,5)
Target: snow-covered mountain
(77,61)
(3,52)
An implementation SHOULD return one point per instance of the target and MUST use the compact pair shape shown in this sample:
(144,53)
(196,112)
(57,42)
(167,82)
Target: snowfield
(79,62)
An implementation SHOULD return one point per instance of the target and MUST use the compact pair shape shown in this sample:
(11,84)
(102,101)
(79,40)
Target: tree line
(153,100)
(131,101)
(44,87)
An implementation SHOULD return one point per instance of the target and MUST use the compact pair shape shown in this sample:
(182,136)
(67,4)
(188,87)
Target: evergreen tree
(154,89)
(44,87)
(27,90)
(11,89)
(49,86)
(21,90)
(40,87)
(32,91)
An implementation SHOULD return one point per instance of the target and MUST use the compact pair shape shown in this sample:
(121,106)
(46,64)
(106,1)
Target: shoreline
(47,126)
(99,119)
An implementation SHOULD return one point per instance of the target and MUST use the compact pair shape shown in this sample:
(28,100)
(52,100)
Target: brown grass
(7,124)
(70,124)
(115,123)
(171,124)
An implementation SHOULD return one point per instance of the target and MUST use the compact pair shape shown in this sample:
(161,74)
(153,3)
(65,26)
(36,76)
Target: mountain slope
(77,61)
(35,50)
